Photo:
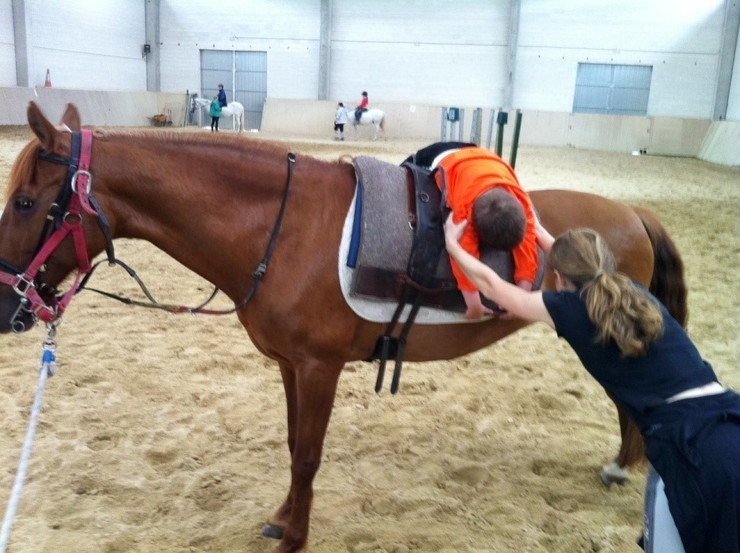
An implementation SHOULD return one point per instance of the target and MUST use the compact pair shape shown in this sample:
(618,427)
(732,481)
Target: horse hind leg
(631,452)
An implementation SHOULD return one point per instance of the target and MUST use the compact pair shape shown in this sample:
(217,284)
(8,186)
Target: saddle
(398,252)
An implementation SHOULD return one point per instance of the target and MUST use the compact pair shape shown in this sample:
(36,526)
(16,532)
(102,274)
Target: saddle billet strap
(425,208)
(389,345)
(402,342)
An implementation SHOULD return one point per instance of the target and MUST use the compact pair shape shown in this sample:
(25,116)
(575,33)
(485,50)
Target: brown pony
(211,202)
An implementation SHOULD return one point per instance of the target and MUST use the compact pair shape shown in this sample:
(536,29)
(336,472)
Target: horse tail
(382,123)
(668,283)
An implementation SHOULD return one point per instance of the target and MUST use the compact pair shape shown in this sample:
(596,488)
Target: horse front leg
(311,394)
(275,527)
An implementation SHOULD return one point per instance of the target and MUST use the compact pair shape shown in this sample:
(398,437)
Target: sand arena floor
(167,433)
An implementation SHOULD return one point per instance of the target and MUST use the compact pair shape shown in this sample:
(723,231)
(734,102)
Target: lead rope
(47,369)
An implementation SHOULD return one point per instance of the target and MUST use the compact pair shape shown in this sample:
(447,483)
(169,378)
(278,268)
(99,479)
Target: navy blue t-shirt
(672,363)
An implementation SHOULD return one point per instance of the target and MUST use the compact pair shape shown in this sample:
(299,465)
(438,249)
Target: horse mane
(225,141)
(22,170)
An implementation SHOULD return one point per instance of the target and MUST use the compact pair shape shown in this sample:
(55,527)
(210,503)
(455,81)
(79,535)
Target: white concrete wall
(419,51)
(99,108)
(287,30)
(657,135)
(84,44)
(721,143)
(445,53)
(7,44)
(416,51)
(408,55)
(680,40)
(88,45)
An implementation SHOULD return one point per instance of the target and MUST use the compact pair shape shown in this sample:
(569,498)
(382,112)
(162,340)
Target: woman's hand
(544,238)
(454,231)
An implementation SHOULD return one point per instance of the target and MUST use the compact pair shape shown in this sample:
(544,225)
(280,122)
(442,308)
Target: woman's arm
(544,238)
(525,305)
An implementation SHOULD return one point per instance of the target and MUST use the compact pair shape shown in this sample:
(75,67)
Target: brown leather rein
(257,274)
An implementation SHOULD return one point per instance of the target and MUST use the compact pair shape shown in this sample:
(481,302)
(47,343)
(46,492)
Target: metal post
(491,123)
(515,140)
(443,130)
(501,120)
(476,125)
(461,125)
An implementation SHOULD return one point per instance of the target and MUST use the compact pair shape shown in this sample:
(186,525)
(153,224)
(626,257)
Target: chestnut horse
(212,203)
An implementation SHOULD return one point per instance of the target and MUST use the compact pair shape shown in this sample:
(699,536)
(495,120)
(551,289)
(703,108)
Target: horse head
(36,208)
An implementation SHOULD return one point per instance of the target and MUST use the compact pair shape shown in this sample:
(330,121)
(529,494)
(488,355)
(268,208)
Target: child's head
(499,220)
(340,104)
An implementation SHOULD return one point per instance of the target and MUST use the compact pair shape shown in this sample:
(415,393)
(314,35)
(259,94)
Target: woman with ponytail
(645,360)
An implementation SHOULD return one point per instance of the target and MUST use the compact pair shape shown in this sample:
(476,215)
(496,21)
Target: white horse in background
(373,116)
(233,109)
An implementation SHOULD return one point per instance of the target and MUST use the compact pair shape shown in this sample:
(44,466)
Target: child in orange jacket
(481,188)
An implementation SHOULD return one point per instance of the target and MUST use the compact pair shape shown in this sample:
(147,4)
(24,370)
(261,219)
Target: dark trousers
(214,123)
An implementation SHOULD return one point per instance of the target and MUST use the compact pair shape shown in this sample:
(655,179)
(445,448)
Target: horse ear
(42,128)
(71,118)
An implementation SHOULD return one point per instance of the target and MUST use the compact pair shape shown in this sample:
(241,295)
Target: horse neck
(199,199)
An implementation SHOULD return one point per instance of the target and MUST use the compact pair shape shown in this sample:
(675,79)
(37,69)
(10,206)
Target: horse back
(619,224)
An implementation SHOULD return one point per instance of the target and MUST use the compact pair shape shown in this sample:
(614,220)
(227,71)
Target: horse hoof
(613,474)
(274,532)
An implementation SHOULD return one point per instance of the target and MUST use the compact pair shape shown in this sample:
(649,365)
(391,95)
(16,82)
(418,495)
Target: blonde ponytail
(621,311)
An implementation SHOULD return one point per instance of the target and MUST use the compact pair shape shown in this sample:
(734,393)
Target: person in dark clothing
(221,96)
(629,343)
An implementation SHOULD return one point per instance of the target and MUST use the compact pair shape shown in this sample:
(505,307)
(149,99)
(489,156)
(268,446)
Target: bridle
(64,218)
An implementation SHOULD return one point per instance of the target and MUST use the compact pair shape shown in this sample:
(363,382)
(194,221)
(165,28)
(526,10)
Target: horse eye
(23,203)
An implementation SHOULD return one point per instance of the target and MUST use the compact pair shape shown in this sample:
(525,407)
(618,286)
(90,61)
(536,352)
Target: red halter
(79,181)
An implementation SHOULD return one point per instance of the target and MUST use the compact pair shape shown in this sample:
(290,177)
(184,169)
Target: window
(616,89)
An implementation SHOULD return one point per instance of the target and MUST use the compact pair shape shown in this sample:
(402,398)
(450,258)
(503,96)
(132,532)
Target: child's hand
(454,231)
(524,285)
(476,312)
